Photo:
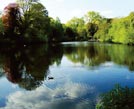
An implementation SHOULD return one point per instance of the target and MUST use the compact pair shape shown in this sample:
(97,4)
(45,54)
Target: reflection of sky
(6,88)
(47,98)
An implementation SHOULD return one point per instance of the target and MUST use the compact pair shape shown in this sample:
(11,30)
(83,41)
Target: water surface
(69,75)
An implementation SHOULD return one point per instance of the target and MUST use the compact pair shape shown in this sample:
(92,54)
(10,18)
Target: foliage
(57,31)
(28,21)
(11,18)
(78,26)
(91,29)
(25,5)
(117,98)
(1,27)
(70,34)
(36,26)
(93,17)
(117,30)
(103,29)
(125,28)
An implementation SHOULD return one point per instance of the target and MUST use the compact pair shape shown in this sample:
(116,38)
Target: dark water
(63,76)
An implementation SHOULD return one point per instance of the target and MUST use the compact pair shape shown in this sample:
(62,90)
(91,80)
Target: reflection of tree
(95,54)
(122,55)
(88,55)
(28,66)
(1,74)
(117,98)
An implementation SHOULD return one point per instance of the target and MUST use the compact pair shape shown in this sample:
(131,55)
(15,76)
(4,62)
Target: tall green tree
(93,17)
(102,33)
(38,24)
(25,5)
(93,20)
(78,26)
(91,29)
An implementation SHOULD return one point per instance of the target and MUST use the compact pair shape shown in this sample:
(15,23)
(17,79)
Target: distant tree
(91,29)
(78,26)
(93,17)
(102,33)
(70,34)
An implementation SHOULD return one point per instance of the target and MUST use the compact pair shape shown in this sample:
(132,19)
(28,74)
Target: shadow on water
(28,65)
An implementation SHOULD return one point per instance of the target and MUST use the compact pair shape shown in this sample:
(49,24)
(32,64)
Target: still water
(69,75)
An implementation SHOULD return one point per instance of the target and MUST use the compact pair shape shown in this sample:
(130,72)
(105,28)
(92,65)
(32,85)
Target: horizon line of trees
(28,20)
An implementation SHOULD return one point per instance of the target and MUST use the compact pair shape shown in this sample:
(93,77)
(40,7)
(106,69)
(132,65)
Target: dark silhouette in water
(28,67)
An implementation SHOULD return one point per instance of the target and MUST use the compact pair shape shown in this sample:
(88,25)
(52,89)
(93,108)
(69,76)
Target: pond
(70,75)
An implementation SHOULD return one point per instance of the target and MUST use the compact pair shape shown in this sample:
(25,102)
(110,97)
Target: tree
(36,23)
(70,34)
(57,30)
(26,4)
(78,26)
(102,33)
(11,18)
(93,17)
(1,27)
(91,29)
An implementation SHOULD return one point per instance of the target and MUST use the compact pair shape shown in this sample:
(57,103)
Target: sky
(66,9)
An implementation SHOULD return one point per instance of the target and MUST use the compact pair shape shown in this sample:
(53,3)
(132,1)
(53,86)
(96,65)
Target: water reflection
(28,65)
(94,54)
(67,96)
(80,72)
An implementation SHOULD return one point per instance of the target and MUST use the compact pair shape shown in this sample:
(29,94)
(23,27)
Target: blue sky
(66,9)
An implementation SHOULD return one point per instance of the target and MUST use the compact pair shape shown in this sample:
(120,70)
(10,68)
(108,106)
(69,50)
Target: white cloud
(46,98)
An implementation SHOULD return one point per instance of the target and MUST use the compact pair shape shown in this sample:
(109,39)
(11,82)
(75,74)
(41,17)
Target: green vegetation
(77,25)
(117,98)
(29,21)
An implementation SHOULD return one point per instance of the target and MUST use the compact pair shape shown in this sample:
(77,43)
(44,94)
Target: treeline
(28,20)
(94,27)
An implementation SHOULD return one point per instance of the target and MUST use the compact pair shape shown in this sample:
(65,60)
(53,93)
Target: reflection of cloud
(46,98)
(108,64)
